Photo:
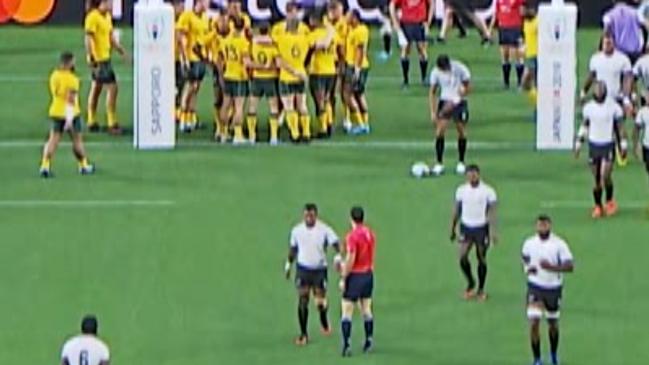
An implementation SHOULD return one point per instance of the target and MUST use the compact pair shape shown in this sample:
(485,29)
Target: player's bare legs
(224,116)
(462,140)
(49,149)
(361,102)
(251,119)
(93,101)
(111,108)
(481,256)
(350,101)
(440,131)
(607,181)
(320,297)
(553,335)
(447,23)
(274,108)
(218,103)
(535,333)
(465,265)
(368,322)
(602,174)
(303,315)
(237,119)
(292,119)
(321,97)
(305,118)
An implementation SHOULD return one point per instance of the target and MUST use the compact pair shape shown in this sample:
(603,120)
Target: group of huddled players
(279,62)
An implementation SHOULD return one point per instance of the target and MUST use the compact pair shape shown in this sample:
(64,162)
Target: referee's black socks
(520,69)
(346,326)
(423,68)
(324,322)
(387,43)
(369,328)
(303,315)
(461,148)
(405,70)
(507,70)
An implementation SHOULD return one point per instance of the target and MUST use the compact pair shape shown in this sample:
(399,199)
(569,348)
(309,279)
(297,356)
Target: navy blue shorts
(414,32)
(512,37)
(359,286)
(475,235)
(601,152)
(459,114)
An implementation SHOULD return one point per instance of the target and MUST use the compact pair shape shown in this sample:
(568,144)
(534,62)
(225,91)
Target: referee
(308,248)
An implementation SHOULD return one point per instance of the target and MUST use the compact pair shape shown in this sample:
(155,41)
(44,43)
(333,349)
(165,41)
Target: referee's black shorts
(359,286)
(414,32)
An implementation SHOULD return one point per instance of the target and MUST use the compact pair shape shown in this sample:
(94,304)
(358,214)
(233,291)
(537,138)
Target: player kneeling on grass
(64,113)
(357,280)
(86,348)
(602,116)
(546,258)
(308,248)
(357,67)
(451,79)
(234,59)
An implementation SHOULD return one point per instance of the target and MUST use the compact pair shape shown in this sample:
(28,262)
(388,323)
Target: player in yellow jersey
(292,15)
(356,72)
(531,38)
(234,11)
(100,41)
(322,70)
(263,54)
(65,115)
(193,30)
(219,29)
(234,61)
(179,7)
(336,16)
(293,49)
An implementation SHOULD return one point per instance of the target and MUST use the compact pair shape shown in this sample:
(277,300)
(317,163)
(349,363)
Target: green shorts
(531,63)
(322,82)
(236,89)
(291,88)
(103,73)
(180,76)
(57,124)
(358,85)
(197,71)
(264,88)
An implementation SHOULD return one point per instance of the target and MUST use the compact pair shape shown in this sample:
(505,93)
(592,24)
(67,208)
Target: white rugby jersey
(311,244)
(642,121)
(610,70)
(553,250)
(474,202)
(641,70)
(450,83)
(602,118)
(85,350)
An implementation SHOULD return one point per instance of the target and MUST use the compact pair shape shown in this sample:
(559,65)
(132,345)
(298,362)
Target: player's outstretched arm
(432,102)
(89,42)
(394,17)
(292,254)
(118,46)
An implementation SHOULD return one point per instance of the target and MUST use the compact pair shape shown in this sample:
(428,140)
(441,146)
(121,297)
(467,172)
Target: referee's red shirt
(413,11)
(508,13)
(361,241)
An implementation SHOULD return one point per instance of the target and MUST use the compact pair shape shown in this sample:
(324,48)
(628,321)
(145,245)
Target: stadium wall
(32,12)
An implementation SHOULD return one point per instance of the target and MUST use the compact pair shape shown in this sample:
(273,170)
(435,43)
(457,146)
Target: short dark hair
(356,14)
(358,214)
(311,207)
(89,325)
(66,57)
(292,5)
(544,218)
(473,167)
(264,27)
(239,24)
(443,62)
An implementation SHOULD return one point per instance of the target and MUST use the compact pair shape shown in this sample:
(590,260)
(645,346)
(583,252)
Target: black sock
(369,328)
(423,67)
(461,147)
(303,315)
(460,26)
(507,69)
(324,322)
(439,149)
(346,326)
(466,269)
(520,68)
(609,192)
(387,42)
(536,349)
(482,275)
(405,69)
(554,341)
(597,196)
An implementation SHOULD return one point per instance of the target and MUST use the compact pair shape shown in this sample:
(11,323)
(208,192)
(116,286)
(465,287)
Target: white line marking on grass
(585,204)
(386,145)
(84,203)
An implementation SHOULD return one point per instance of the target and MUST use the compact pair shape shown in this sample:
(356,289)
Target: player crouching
(64,112)
(601,117)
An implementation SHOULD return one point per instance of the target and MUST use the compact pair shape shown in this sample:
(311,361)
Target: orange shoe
(469,294)
(597,212)
(301,340)
(482,297)
(326,331)
(611,208)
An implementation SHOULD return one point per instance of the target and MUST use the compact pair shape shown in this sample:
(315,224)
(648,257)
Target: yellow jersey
(62,83)
(293,49)
(323,61)
(356,38)
(264,54)
(247,23)
(531,36)
(100,27)
(234,49)
(279,29)
(213,41)
(196,28)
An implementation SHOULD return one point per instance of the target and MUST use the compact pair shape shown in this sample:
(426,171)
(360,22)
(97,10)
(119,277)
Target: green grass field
(197,278)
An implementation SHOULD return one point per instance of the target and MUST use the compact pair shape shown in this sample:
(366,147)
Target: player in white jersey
(452,81)
(641,74)
(308,249)
(614,69)
(546,258)
(475,211)
(640,131)
(86,348)
(601,117)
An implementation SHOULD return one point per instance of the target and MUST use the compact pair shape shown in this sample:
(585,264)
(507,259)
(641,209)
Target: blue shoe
(87,170)
(365,129)
(383,56)
(357,130)
(538,362)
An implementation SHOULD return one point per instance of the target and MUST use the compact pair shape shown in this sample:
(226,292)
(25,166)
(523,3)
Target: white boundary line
(584,204)
(84,203)
(385,145)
